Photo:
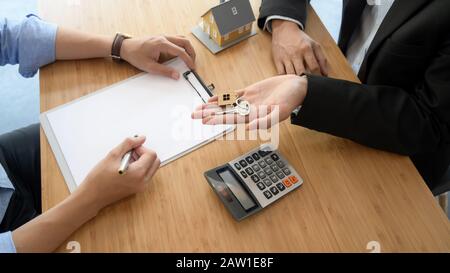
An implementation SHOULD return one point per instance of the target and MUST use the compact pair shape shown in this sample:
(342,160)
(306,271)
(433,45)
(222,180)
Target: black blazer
(403,105)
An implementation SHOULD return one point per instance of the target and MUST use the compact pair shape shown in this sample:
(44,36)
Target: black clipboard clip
(209,89)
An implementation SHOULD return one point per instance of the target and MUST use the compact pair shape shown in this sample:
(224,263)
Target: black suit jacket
(403,105)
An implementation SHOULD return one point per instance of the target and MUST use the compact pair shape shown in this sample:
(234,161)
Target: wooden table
(352,194)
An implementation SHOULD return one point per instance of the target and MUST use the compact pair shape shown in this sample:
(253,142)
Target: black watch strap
(117,46)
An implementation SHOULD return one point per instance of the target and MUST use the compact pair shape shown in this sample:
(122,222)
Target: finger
(163,70)
(204,113)
(320,56)
(175,50)
(127,145)
(280,68)
(209,105)
(225,119)
(154,168)
(145,161)
(299,66)
(312,63)
(289,67)
(184,43)
(213,99)
(240,93)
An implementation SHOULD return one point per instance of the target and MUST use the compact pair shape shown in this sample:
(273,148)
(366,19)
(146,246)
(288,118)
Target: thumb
(163,70)
(128,145)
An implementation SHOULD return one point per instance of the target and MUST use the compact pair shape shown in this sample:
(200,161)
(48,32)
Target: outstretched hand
(272,101)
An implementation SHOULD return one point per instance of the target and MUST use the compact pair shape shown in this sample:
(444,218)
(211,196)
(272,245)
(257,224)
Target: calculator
(254,181)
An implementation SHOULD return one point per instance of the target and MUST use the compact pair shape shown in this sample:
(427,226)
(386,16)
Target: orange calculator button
(287,183)
(293,179)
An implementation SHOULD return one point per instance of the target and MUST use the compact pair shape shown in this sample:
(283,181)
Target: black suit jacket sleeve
(295,9)
(408,122)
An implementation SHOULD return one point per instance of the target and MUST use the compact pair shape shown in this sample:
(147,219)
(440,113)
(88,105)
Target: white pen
(125,162)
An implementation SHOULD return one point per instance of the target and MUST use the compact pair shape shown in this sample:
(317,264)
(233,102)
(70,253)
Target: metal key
(241,108)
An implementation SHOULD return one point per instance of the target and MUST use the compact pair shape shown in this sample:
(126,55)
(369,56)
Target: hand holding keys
(240,107)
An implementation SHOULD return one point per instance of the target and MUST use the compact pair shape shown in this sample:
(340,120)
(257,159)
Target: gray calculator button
(249,171)
(262,175)
(268,171)
(256,168)
(269,161)
(280,175)
(255,178)
(287,171)
(281,164)
(274,178)
(275,168)
(262,164)
(267,194)
(256,157)
(261,186)
(244,174)
(267,182)
(237,166)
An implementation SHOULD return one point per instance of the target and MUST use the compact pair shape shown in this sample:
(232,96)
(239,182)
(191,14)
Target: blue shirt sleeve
(7,243)
(29,43)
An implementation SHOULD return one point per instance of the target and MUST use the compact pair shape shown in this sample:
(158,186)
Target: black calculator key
(262,164)
(237,166)
(275,168)
(267,194)
(280,175)
(281,187)
(256,157)
(243,163)
(287,171)
(274,178)
(262,175)
(256,168)
(268,171)
(267,182)
(249,171)
(281,164)
(261,186)
(275,157)
(274,190)
(264,153)
(269,161)
(244,174)
(255,178)
(250,160)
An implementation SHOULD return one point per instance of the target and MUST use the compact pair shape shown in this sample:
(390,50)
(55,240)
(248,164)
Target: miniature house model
(226,24)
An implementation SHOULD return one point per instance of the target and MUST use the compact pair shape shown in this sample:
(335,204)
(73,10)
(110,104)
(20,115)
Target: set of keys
(239,106)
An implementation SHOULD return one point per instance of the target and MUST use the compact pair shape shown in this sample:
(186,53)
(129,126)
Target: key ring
(239,103)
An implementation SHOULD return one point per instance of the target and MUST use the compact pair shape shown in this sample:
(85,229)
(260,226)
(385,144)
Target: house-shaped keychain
(225,25)
(227,98)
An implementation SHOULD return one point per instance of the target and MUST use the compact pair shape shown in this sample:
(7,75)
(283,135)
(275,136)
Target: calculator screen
(236,188)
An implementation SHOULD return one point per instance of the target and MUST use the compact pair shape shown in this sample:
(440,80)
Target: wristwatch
(117,46)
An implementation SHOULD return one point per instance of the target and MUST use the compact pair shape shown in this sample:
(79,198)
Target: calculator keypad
(268,175)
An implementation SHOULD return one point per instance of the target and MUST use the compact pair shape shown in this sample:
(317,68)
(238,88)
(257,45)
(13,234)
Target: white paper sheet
(82,133)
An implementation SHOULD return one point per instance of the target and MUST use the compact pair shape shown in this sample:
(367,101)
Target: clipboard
(70,128)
